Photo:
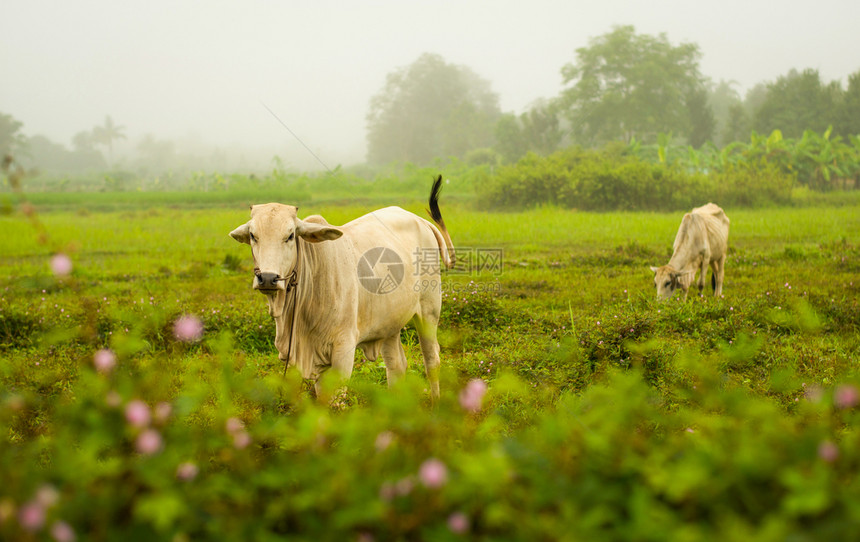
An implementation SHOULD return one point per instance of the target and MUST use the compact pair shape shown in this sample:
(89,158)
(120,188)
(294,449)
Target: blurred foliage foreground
(197,442)
(609,463)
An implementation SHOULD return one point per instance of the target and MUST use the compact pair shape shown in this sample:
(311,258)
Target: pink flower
(187,471)
(241,439)
(113,399)
(828,451)
(47,496)
(404,486)
(137,413)
(384,440)
(61,265)
(387,491)
(846,396)
(31,516)
(63,532)
(473,395)
(433,473)
(104,360)
(149,442)
(458,522)
(813,393)
(162,411)
(188,328)
(234,425)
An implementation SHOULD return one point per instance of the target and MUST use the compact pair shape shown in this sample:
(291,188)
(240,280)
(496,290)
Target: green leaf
(774,138)
(161,509)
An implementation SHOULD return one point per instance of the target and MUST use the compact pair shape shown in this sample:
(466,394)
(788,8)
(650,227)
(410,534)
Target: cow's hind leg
(394,358)
(719,270)
(426,327)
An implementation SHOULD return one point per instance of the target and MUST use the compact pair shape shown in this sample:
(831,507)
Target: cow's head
(272,233)
(667,279)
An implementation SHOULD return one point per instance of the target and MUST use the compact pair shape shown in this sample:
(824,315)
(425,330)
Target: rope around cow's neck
(291,285)
(291,282)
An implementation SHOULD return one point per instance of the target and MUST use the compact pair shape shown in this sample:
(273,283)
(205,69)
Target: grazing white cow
(333,289)
(702,239)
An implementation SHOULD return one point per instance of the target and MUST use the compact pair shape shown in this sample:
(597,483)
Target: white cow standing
(333,289)
(702,239)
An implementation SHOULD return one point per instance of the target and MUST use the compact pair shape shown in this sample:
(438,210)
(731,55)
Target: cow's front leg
(342,361)
(703,272)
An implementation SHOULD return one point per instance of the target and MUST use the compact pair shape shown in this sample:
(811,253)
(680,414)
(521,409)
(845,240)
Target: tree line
(42,151)
(623,86)
(92,150)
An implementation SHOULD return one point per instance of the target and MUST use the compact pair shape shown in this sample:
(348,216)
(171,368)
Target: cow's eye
(667,283)
(290,238)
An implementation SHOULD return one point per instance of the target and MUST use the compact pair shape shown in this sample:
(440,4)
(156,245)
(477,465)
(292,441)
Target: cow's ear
(242,234)
(316,233)
(654,269)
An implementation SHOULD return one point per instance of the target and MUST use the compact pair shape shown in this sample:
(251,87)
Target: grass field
(566,334)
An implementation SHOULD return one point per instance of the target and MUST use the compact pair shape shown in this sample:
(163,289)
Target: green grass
(568,335)
(562,271)
(548,230)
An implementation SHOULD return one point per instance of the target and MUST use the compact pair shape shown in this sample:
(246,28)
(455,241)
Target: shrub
(532,181)
(594,180)
(753,185)
(482,157)
(635,185)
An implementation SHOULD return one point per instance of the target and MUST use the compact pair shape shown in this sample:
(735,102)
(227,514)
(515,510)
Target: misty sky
(199,71)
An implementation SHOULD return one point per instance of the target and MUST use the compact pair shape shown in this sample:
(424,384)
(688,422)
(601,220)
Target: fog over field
(201,74)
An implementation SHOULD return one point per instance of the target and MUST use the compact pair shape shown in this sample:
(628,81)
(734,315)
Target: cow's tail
(448,256)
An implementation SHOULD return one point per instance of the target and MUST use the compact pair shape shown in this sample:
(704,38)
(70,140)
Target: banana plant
(821,161)
(732,153)
(634,146)
(663,142)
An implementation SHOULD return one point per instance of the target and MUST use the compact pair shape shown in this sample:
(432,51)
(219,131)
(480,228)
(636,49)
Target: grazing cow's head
(272,233)
(667,280)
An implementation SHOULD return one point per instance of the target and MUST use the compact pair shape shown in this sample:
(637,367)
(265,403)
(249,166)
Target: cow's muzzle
(266,281)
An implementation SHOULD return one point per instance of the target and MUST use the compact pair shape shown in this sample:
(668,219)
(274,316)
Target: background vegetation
(624,86)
